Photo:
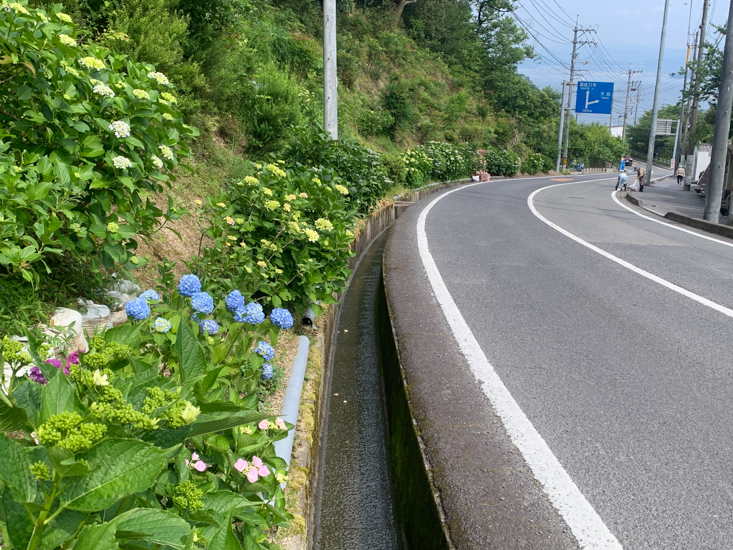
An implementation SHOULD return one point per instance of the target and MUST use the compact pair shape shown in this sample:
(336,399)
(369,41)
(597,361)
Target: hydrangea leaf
(97,536)
(118,467)
(62,528)
(190,354)
(57,397)
(11,418)
(208,423)
(15,470)
(18,526)
(155,527)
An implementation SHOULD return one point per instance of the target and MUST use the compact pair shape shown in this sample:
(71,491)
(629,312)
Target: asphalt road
(629,382)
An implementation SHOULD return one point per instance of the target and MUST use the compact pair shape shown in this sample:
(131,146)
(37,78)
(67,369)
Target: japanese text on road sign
(594,98)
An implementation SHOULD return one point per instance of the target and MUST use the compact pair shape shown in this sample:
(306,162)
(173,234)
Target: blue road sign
(594,98)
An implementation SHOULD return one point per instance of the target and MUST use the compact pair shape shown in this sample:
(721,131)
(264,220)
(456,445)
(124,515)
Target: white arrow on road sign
(587,97)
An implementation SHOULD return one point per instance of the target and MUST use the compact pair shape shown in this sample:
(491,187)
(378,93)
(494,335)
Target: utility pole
(700,55)
(571,84)
(714,191)
(638,100)
(560,129)
(629,88)
(657,90)
(677,150)
(330,75)
(689,103)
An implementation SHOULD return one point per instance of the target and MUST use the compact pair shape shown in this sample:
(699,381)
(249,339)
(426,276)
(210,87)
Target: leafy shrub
(147,429)
(359,166)
(418,166)
(450,161)
(396,167)
(501,163)
(281,237)
(96,138)
(534,163)
(398,101)
(375,123)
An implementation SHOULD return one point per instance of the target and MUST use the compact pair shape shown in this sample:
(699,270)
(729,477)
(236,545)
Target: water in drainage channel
(354,504)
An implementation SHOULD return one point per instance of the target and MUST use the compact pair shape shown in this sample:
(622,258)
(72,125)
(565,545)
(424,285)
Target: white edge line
(585,524)
(696,297)
(613,196)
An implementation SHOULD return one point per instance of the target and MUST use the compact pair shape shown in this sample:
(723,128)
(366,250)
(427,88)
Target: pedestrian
(680,175)
(640,178)
(622,180)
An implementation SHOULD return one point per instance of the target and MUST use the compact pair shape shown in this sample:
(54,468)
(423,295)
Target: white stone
(65,319)
(127,287)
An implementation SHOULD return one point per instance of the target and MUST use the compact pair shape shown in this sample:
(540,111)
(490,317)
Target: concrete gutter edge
(291,399)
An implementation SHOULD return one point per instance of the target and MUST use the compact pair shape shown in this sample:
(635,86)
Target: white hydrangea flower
(121,162)
(120,128)
(166,152)
(167,116)
(159,77)
(157,162)
(140,94)
(91,63)
(64,17)
(67,40)
(101,89)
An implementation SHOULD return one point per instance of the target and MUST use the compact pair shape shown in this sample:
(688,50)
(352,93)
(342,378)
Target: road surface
(612,333)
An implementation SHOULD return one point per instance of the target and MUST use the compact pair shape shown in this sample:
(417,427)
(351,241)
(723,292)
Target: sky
(627,35)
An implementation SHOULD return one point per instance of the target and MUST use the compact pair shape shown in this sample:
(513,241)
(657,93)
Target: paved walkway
(667,196)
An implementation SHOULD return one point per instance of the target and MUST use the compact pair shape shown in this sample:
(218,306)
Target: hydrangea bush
(281,236)
(152,439)
(86,137)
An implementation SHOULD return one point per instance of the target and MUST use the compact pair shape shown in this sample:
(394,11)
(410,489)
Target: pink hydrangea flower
(252,475)
(256,462)
(199,466)
(55,362)
(263,471)
(195,456)
(73,358)
(263,424)
(241,465)
(280,423)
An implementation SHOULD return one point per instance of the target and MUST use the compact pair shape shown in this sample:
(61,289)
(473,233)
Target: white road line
(585,524)
(726,243)
(700,299)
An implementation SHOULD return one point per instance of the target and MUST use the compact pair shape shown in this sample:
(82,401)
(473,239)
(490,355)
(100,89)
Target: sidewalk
(667,196)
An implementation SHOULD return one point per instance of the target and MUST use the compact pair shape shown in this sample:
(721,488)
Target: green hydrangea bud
(40,471)
(188,496)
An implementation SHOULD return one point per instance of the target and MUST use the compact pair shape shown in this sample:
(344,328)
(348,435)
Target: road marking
(700,299)
(585,524)
(613,196)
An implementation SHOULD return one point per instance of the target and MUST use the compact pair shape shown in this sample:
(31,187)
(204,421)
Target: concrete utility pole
(571,84)
(689,104)
(714,191)
(638,100)
(657,90)
(700,56)
(677,156)
(560,129)
(629,88)
(330,75)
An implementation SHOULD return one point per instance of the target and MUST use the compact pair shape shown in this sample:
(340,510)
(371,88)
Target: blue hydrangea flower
(161,325)
(267,371)
(202,302)
(253,313)
(209,326)
(189,285)
(234,301)
(281,318)
(150,295)
(137,309)
(265,350)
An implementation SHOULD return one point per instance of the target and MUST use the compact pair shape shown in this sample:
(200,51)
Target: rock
(127,287)
(96,317)
(64,320)
(119,299)
(117,318)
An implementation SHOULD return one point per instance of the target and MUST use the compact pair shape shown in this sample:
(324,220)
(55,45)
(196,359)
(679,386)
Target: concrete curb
(710,227)
(291,400)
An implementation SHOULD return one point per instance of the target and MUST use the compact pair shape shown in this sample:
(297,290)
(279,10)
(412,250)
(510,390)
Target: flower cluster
(91,63)
(120,129)
(140,94)
(281,318)
(160,78)
(323,224)
(267,371)
(189,285)
(103,89)
(137,309)
(66,430)
(161,325)
(149,295)
(121,163)
(167,152)
(66,40)
(198,464)
(265,350)
(202,302)
(252,471)
(157,162)
(209,326)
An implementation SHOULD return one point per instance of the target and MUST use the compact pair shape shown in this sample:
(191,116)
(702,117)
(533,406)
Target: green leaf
(96,537)
(28,396)
(11,418)
(61,529)
(190,355)
(18,525)
(15,470)
(156,526)
(223,538)
(120,467)
(207,423)
(58,396)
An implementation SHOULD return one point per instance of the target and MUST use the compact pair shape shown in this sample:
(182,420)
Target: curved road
(617,348)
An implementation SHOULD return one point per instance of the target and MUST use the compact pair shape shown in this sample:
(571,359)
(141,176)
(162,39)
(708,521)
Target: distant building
(617,131)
